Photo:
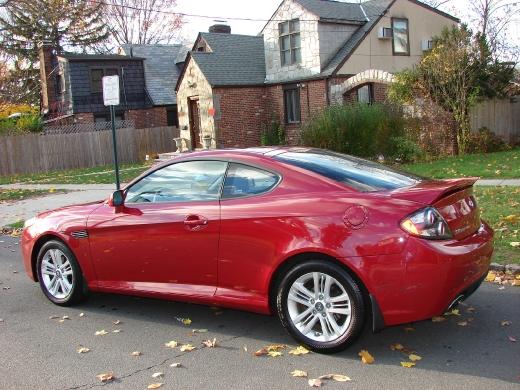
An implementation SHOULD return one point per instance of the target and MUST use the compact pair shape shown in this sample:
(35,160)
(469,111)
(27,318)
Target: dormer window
(401,37)
(290,42)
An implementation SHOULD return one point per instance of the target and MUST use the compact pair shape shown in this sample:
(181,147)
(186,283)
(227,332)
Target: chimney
(220,28)
(48,63)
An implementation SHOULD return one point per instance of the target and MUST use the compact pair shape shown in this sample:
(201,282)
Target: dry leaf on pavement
(199,331)
(407,364)
(505,323)
(175,365)
(210,343)
(413,357)
(299,373)
(299,351)
(274,353)
(336,377)
(315,382)
(409,329)
(81,315)
(396,347)
(136,353)
(276,347)
(116,322)
(156,375)
(366,358)
(187,348)
(512,339)
(101,332)
(83,350)
(154,385)
(106,377)
(261,352)
(117,331)
(171,344)
(438,319)
(462,323)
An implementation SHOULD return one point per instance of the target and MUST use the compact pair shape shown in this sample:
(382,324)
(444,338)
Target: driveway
(37,352)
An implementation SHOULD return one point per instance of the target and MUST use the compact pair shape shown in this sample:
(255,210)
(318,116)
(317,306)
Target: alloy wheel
(57,273)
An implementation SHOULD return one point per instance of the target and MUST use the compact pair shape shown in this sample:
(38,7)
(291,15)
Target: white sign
(111,90)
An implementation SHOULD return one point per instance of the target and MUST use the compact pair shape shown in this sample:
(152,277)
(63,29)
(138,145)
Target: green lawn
(17,194)
(500,165)
(97,175)
(500,207)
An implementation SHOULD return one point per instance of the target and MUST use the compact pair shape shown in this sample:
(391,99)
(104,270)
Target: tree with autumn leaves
(456,74)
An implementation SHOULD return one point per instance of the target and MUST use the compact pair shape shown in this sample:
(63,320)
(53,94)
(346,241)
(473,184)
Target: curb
(510,268)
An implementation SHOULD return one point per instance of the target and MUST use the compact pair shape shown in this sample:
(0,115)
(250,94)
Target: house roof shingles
(334,10)
(98,57)
(160,69)
(233,60)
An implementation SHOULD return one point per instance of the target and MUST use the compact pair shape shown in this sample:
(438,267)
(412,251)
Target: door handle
(195,222)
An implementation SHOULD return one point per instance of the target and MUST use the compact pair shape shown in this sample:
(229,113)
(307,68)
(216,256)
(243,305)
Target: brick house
(309,55)
(72,85)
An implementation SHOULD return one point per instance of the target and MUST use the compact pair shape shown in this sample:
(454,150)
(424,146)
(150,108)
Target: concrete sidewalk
(82,193)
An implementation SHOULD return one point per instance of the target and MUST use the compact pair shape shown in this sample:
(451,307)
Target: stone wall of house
(244,116)
(195,85)
(310,45)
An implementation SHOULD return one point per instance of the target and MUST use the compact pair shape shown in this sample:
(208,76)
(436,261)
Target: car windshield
(362,175)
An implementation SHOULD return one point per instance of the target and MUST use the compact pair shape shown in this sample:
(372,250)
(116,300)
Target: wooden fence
(501,116)
(43,153)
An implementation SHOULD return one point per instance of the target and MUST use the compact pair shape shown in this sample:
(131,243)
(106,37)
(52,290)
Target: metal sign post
(111,98)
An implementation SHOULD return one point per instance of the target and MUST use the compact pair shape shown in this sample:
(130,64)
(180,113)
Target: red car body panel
(232,258)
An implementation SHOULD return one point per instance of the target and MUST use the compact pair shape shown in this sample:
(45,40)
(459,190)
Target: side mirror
(117,199)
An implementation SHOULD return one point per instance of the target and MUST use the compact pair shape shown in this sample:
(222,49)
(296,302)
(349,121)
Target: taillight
(427,223)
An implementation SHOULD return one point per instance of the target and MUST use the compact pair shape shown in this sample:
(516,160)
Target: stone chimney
(220,28)
(48,70)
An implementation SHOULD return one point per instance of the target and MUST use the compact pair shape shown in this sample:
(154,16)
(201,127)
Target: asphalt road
(40,353)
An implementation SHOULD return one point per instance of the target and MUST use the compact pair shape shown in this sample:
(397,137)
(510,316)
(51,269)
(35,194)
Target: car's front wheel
(59,274)
(321,306)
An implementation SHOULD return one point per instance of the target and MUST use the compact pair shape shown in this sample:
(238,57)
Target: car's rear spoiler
(430,191)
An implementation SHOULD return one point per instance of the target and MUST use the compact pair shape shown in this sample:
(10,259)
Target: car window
(181,182)
(242,180)
(362,175)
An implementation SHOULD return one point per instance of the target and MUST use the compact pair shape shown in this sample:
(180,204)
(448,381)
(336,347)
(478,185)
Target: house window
(291,100)
(96,78)
(401,37)
(290,42)
(365,94)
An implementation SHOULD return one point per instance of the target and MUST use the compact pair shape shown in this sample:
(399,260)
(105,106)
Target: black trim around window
(399,53)
(291,104)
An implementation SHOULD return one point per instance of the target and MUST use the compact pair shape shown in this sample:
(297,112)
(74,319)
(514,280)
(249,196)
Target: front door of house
(195,131)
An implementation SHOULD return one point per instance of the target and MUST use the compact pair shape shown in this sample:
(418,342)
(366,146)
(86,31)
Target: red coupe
(326,241)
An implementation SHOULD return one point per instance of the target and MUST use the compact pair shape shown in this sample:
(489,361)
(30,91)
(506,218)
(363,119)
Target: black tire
(78,292)
(356,303)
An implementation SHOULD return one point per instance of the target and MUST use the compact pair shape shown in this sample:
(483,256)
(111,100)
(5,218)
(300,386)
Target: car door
(165,237)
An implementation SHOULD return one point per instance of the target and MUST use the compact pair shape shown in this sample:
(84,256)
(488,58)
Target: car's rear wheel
(321,306)
(59,274)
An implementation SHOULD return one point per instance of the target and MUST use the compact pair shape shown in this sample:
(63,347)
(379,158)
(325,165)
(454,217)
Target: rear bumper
(436,273)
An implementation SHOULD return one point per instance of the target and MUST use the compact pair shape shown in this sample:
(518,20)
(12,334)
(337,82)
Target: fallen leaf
(409,329)
(175,365)
(414,358)
(505,323)
(396,347)
(101,332)
(366,358)
(462,323)
(171,344)
(512,339)
(276,347)
(218,313)
(470,309)
(117,331)
(65,318)
(336,377)
(315,382)
(515,244)
(185,321)
(210,343)
(454,312)
(261,352)
(299,373)
(187,348)
(116,322)
(438,319)
(154,385)
(81,315)
(136,353)
(83,350)
(300,350)
(156,375)
(490,276)
(53,317)
(407,364)
(245,348)
(199,331)
(274,353)
(107,377)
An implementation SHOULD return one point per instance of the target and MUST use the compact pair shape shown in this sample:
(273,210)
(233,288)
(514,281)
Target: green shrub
(485,141)
(27,123)
(273,134)
(405,150)
(361,130)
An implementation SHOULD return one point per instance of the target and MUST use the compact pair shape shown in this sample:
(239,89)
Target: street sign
(111,90)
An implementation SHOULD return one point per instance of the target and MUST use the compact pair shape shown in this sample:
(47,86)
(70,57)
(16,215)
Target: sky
(262,11)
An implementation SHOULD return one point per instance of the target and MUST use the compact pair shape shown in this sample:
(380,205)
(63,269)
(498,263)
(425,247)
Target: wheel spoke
(65,286)
(326,288)
(324,328)
(53,287)
(47,267)
(308,327)
(331,321)
(303,290)
(340,298)
(300,317)
(316,279)
(67,268)
(295,298)
(344,311)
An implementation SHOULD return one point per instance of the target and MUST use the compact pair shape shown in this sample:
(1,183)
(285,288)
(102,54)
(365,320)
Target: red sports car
(328,242)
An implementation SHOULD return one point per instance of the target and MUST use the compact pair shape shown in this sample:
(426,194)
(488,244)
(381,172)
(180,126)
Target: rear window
(362,175)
